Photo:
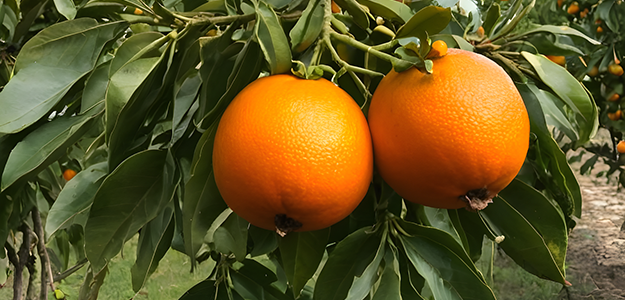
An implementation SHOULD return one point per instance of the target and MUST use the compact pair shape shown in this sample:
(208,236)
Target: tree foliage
(128,93)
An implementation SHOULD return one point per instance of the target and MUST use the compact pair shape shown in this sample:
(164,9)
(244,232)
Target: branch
(71,270)
(46,270)
(19,261)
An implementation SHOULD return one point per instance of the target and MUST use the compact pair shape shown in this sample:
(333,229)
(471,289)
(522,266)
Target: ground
(596,253)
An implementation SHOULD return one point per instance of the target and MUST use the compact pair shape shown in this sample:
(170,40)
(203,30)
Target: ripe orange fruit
(620,147)
(615,116)
(615,69)
(137,11)
(449,139)
(594,71)
(292,154)
(583,13)
(561,60)
(599,29)
(438,49)
(560,2)
(573,8)
(69,174)
(480,31)
(614,97)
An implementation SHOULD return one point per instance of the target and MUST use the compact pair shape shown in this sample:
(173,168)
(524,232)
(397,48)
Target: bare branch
(46,269)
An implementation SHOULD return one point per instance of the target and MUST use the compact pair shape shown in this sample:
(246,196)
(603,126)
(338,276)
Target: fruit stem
(366,48)
(284,224)
(477,199)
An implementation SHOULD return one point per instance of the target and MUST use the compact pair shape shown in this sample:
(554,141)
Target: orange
(573,8)
(615,69)
(561,60)
(560,2)
(438,49)
(449,139)
(620,147)
(614,97)
(69,174)
(584,13)
(292,154)
(137,11)
(599,29)
(615,116)
(480,31)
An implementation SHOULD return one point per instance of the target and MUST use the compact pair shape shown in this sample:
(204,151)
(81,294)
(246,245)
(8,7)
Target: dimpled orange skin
(292,146)
(438,136)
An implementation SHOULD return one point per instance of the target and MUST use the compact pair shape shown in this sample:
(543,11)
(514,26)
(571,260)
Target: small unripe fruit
(439,49)
(137,11)
(615,69)
(69,174)
(599,29)
(558,59)
(614,97)
(560,3)
(335,7)
(615,116)
(480,31)
(573,8)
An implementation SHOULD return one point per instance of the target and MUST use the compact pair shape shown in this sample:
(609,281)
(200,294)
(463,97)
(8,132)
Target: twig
(19,260)
(46,270)
(71,270)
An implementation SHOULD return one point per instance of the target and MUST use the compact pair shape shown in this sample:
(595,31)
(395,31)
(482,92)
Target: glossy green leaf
(207,289)
(308,27)
(389,283)
(202,201)
(95,87)
(45,145)
(272,39)
(47,67)
(390,9)
(427,21)
(154,241)
(515,14)
(185,105)
(444,264)
(570,91)
(141,45)
(564,30)
(411,282)
(66,7)
(253,281)
(265,241)
(534,230)
(359,14)
(231,237)
(91,285)
(606,12)
(439,218)
(301,253)
(492,15)
(131,196)
(73,203)
(132,3)
(350,258)
(554,116)
(363,284)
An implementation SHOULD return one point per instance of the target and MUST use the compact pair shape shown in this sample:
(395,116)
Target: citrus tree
(109,118)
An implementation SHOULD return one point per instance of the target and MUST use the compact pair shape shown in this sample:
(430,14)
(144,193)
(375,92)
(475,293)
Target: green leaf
(570,91)
(509,23)
(48,66)
(411,281)
(390,9)
(363,284)
(265,241)
(272,39)
(202,201)
(95,87)
(141,45)
(253,281)
(207,289)
(45,145)
(75,199)
(301,254)
(609,15)
(389,283)
(154,241)
(492,15)
(444,264)
(554,116)
(534,230)
(231,237)
(564,30)
(350,258)
(132,195)
(358,12)
(66,7)
(427,21)
(308,27)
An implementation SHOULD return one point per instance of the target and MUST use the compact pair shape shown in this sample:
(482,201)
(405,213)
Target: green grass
(171,279)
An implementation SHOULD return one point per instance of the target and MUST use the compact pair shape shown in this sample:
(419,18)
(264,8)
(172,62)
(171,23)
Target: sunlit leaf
(272,39)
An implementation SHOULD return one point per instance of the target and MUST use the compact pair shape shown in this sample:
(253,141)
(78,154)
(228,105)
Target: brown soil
(596,253)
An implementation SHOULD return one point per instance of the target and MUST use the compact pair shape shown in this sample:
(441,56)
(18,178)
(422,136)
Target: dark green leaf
(253,281)
(204,290)
(390,9)
(363,283)
(359,14)
(47,67)
(45,145)
(154,241)
(231,237)
(265,241)
(444,264)
(428,21)
(272,39)
(589,164)
(202,201)
(135,193)
(492,15)
(570,91)
(91,285)
(73,203)
(350,258)
(308,27)
(606,13)
(389,283)
(95,87)
(534,230)
(301,254)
